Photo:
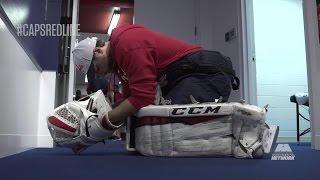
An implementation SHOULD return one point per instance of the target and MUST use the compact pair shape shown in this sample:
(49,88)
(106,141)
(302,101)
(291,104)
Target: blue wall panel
(45,50)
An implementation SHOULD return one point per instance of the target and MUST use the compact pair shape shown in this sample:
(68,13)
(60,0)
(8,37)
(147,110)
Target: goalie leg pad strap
(248,133)
(101,131)
(108,125)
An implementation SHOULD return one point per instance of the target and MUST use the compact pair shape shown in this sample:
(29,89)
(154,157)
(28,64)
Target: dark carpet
(112,161)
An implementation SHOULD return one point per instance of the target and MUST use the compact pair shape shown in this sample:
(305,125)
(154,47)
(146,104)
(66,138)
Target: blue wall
(45,50)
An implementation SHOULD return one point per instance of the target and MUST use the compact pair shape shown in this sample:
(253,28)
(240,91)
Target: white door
(277,59)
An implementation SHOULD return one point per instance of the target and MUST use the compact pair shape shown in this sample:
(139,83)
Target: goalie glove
(78,124)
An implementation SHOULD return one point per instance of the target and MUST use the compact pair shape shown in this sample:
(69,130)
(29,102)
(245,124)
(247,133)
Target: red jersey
(140,57)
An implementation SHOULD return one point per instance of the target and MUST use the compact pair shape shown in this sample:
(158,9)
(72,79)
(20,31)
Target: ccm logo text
(196,110)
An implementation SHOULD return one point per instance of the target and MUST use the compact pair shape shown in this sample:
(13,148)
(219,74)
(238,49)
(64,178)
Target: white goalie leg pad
(269,138)
(241,127)
(180,139)
(249,125)
(256,138)
(203,109)
(248,137)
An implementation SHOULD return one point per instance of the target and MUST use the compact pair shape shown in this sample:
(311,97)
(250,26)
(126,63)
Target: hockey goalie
(199,129)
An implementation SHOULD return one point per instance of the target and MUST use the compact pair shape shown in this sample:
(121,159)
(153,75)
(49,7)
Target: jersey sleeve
(139,66)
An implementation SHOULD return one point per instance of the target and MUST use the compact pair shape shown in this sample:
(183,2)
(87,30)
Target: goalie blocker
(80,124)
(216,129)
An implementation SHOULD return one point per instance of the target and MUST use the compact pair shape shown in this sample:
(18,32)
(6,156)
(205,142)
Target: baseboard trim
(289,139)
(13,152)
(316,142)
(16,143)
(45,141)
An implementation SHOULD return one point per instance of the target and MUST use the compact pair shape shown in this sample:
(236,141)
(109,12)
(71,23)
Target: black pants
(206,75)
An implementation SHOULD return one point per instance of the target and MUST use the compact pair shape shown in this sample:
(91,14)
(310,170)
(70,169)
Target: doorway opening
(277,61)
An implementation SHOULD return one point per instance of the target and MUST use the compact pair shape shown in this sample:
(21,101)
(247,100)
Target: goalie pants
(206,75)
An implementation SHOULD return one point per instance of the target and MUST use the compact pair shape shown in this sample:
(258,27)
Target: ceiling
(95,15)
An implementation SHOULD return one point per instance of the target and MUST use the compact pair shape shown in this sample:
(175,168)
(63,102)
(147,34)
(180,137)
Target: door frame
(312,57)
(249,64)
(75,15)
(313,68)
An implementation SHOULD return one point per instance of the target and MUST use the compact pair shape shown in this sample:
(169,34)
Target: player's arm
(142,86)
(121,112)
(114,105)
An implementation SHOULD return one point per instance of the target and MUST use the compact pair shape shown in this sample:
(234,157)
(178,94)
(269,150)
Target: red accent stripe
(107,124)
(57,122)
(152,120)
